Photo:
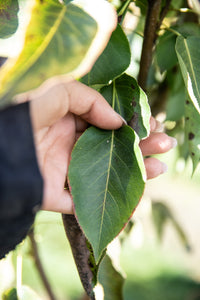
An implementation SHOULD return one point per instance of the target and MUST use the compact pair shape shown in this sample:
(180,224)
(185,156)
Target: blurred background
(160,259)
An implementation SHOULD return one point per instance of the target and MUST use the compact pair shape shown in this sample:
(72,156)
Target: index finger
(91,106)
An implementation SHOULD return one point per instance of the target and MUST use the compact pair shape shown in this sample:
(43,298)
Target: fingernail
(173,142)
(164,168)
(124,121)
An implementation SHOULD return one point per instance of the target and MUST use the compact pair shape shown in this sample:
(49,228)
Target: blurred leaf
(192,133)
(10,294)
(25,292)
(143,5)
(113,61)
(165,51)
(161,215)
(165,48)
(111,280)
(175,107)
(8,17)
(110,169)
(176,4)
(188,51)
(55,47)
(67,1)
(130,102)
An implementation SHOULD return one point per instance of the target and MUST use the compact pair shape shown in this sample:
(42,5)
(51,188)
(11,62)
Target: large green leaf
(113,61)
(8,17)
(111,280)
(130,102)
(106,176)
(188,51)
(57,40)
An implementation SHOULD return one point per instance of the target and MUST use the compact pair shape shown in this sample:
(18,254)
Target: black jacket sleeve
(21,184)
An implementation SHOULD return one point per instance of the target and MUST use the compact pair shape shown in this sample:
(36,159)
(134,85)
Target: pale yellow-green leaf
(60,39)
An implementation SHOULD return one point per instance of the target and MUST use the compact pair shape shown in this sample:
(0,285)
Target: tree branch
(149,40)
(39,265)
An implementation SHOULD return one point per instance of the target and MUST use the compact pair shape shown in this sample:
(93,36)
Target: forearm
(21,184)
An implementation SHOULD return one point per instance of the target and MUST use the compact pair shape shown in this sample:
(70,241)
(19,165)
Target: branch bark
(151,23)
(80,253)
(39,266)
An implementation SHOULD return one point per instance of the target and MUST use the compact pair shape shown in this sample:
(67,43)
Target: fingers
(81,125)
(57,96)
(63,204)
(91,106)
(154,167)
(155,125)
(156,143)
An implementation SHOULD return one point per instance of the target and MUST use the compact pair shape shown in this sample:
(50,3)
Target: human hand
(158,142)
(60,112)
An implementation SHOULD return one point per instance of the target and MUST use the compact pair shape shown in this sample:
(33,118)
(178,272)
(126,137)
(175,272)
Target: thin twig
(164,12)
(149,40)
(39,266)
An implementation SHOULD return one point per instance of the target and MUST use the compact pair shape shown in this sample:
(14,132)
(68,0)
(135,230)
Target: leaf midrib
(106,188)
(109,167)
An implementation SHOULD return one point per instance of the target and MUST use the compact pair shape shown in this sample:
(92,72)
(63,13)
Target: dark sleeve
(21,184)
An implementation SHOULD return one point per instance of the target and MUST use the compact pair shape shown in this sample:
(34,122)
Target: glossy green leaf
(188,51)
(8,17)
(120,92)
(106,176)
(165,48)
(113,61)
(111,280)
(175,107)
(192,133)
(130,102)
(55,47)
(165,51)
